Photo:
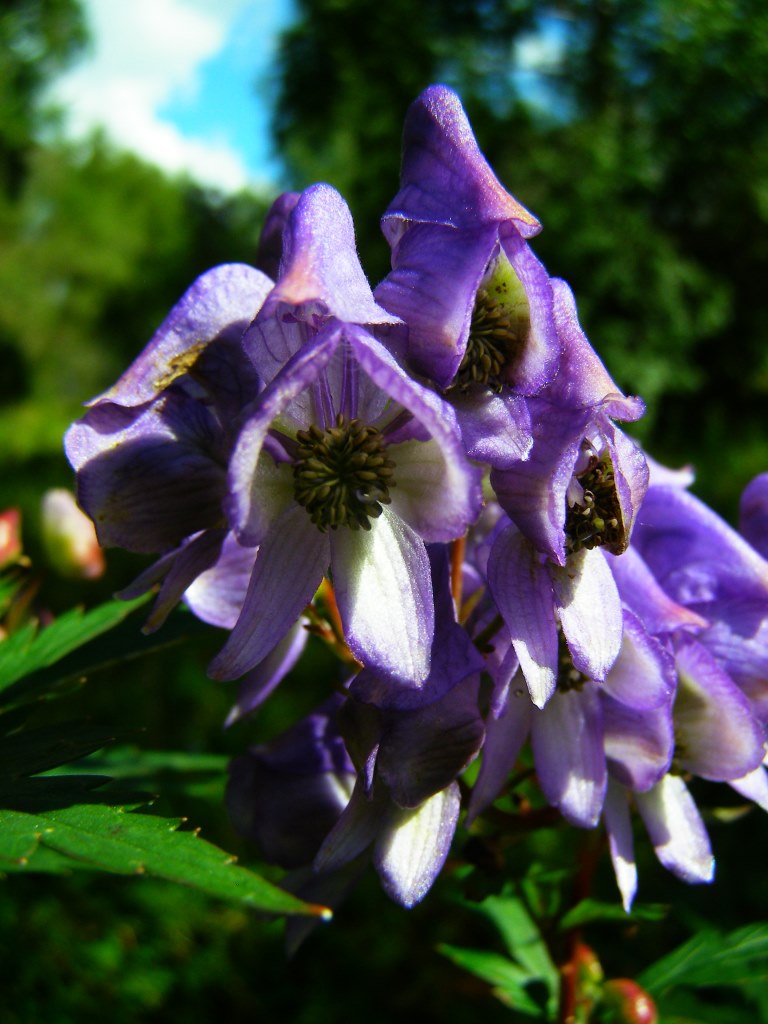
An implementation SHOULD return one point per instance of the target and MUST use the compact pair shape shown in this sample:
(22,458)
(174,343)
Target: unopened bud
(69,537)
(628,1002)
(10,536)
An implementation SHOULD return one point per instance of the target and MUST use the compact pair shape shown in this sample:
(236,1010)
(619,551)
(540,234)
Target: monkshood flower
(477,302)
(343,461)
(716,738)
(409,747)
(705,565)
(583,481)
(460,264)
(151,453)
(589,730)
(674,826)
(286,795)
(540,602)
(717,735)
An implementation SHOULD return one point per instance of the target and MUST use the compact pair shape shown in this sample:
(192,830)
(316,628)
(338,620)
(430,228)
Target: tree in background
(637,132)
(38,40)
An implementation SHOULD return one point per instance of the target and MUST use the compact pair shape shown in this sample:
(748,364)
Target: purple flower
(588,731)
(753,514)
(475,298)
(710,569)
(343,461)
(151,453)
(409,747)
(287,795)
(537,600)
(583,480)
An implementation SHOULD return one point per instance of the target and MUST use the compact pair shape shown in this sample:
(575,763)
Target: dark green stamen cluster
(342,475)
(568,677)
(596,520)
(494,344)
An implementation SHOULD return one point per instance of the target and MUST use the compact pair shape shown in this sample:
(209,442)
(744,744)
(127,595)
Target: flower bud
(69,537)
(628,1003)
(10,536)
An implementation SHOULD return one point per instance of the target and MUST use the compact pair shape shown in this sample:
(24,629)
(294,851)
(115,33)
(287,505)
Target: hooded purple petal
(676,830)
(753,514)
(618,825)
(534,492)
(287,795)
(583,381)
(149,477)
(567,739)
(718,737)
(220,304)
(522,589)
(270,252)
(288,570)
(413,846)
(638,743)
(504,739)
(495,429)
(643,676)
(640,590)
(423,751)
(694,554)
(432,287)
(445,179)
(588,606)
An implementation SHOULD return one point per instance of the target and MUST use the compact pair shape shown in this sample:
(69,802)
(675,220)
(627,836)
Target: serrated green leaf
(129,843)
(509,981)
(521,936)
(175,774)
(30,751)
(30,649)
(589,910)
(710,958)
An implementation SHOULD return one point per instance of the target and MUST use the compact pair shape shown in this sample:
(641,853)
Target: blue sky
(184,83)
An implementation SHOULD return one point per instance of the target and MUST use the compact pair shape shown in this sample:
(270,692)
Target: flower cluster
(430,475)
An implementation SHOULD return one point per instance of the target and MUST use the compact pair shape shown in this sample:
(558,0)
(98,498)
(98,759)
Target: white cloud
(144,53)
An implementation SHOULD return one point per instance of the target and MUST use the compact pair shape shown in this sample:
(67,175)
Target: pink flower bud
(69,537)
(630,1003)
(10,536)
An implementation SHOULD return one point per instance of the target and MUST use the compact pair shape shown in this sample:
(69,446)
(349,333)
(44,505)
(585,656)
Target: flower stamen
(493,346)
(596,520)
(342,474)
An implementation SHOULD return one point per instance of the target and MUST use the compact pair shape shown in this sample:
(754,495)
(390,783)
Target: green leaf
(521,936)
(116,643)
(30,649)
(174,774)
(30,751)
(589,910)
(710,958)
(510,982)
(110,839)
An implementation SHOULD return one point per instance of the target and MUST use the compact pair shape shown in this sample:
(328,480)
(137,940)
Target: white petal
(384,592)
